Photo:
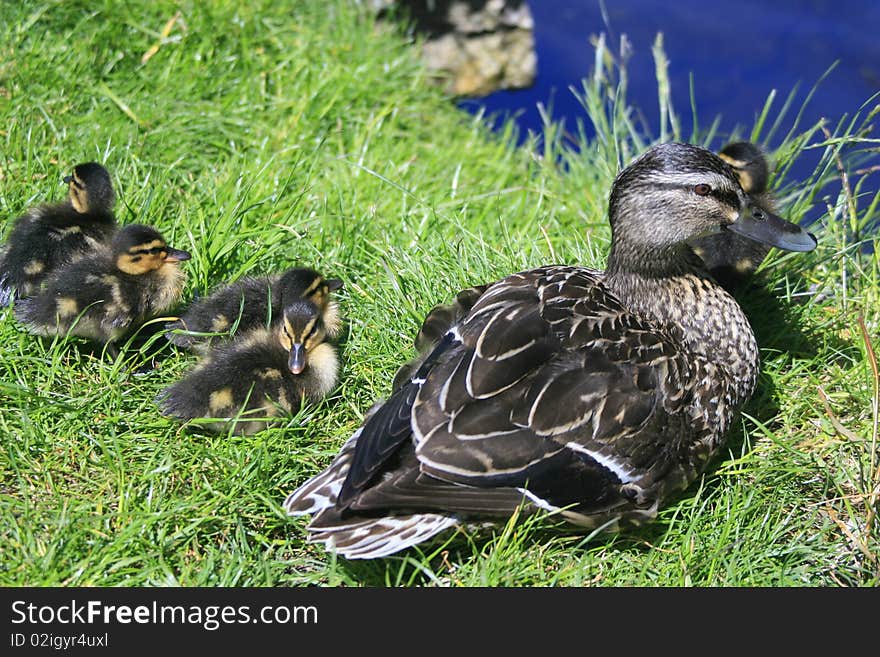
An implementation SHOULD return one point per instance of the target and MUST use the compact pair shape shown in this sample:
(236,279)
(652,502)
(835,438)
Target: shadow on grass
(480,559)
(777,325)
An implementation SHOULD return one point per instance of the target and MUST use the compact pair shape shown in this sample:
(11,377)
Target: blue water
(737,52)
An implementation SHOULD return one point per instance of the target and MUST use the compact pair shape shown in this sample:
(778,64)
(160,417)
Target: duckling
(50,236)
(260,374)
(592,395)
(107,295)
(731,258)
(253,302)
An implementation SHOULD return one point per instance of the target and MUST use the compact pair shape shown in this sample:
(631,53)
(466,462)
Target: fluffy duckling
(105,296)
(731,258)
(592,395)
(50,236)
(260,374)
(254,302)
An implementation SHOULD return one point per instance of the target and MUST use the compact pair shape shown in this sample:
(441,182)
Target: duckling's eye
(702,189)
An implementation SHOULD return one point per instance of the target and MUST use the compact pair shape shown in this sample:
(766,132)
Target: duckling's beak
(762,226)
(176,255)
(67,179)
(297,360)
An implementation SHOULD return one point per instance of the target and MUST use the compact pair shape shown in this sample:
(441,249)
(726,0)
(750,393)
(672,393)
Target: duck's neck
(673,288)
(161,288)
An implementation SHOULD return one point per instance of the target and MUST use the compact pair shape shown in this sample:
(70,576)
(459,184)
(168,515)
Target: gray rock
(472,47)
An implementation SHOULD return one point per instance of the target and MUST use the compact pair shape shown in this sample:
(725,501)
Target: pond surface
(737,52)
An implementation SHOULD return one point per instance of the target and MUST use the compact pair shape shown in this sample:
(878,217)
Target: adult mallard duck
(50,236)
(732,258)
(110,293)
(595,395)
(253,302)
(261,373)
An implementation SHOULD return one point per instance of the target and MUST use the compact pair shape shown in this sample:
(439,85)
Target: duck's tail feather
(357,537)
(371,538)
(7,291)
(320,492)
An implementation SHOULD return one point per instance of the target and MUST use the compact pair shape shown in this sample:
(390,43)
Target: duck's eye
(702,189)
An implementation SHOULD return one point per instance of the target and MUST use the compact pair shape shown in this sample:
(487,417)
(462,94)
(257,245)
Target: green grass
(303,133)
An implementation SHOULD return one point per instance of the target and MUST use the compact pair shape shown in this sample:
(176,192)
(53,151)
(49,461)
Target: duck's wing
(548,387)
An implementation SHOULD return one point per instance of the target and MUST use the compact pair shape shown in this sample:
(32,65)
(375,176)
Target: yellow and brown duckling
(731,258)
(261,374)
(254,302)
(111,292)
(51,236)
(593,395)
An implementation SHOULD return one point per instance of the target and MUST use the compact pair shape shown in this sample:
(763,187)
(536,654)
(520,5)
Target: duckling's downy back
(243,384)
(252,302)
(51,236)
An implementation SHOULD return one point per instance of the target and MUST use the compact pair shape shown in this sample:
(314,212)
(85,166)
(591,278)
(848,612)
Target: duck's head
(301,330)
(678,192)
(749,164)
(90,188)
(304,283)
(139,250)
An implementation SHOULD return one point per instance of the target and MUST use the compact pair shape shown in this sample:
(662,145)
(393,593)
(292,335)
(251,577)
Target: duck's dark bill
(297,361)
(762,226)
(175,255)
